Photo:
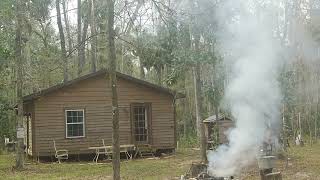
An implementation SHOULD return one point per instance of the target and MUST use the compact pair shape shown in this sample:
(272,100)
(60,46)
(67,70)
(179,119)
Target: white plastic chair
(106,151)
(6,141)
(61,153)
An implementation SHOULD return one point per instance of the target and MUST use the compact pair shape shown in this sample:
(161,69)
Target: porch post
(27,146)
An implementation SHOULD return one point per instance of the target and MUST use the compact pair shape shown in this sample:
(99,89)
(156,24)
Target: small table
(107,150)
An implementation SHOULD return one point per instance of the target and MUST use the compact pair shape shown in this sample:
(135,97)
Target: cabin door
(141,123)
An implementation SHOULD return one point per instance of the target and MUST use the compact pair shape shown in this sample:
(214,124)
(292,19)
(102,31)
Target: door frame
(148,106)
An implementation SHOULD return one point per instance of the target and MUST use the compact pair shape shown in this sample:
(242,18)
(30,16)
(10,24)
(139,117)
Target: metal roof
(213,118)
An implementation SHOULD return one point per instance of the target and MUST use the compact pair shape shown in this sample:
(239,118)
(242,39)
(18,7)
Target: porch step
(146,154)
(145,151)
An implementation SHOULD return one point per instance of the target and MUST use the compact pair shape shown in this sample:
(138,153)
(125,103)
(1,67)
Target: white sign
(20,133)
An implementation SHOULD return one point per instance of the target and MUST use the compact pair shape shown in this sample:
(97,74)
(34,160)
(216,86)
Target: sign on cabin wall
(20,133)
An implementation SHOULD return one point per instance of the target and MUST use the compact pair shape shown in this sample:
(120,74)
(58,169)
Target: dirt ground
(303,164)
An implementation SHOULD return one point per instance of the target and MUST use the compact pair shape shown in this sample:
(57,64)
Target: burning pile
(199,171)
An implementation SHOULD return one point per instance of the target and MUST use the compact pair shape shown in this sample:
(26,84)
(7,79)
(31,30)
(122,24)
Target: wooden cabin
(78,115)
(216,130)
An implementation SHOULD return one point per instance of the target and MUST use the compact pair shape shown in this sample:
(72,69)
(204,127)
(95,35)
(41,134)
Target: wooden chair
(61,153)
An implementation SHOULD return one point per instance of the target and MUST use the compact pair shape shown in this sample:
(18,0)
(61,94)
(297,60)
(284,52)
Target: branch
(63,13)
(76,47)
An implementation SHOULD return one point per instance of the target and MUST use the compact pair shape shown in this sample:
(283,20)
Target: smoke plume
(250,46)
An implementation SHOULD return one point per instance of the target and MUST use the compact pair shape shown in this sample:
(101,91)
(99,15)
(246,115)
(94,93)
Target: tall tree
(113,85)
(94,38)
(79,35)
(83,39)
(62,43)
(196,33)
(199,109)
(19,66)
(66,21)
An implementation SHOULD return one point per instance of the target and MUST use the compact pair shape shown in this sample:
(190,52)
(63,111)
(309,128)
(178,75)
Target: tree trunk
(315,121)
(186,107)
(113,85)
(159,75)
(216,111)
(102,52)
(197,90)
(308,115)
(94,39)
(142,74)
(299,123)
(19,65)
(79,35)
(293,124)
(83,39)
(62,43)
(216,89)
(185,121)
(66,21)
(284,135)
(198,103)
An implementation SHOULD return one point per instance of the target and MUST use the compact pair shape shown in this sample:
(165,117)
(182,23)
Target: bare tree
(198,101)
(82,46)
(79,35)
(66,21)
(62,43)
(199,108)
(113,85)
(94,39)
(18,56)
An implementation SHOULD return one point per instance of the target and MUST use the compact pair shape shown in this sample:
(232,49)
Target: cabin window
(74,123)
(140,122)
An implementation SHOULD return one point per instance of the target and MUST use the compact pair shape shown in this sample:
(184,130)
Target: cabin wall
(162,116)
(224,128)
(94,96)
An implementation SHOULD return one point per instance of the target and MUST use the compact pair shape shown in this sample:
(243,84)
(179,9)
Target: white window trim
(66,122)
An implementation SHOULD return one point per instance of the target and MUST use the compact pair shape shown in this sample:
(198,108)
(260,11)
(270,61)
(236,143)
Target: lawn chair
(107,151)
(6,141)
(104,150)
(61,153)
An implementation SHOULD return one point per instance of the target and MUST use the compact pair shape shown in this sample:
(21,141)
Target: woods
(183,45)
(19,64)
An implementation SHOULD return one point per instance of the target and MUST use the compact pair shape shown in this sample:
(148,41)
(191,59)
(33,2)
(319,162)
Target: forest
(244,59)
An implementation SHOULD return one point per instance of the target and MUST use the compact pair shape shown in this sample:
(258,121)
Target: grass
(304,163)
(163,168)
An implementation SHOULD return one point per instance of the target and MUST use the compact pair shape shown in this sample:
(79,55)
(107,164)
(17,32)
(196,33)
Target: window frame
(66,123)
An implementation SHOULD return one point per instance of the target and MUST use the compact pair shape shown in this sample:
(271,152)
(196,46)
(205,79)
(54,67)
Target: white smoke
(250,45)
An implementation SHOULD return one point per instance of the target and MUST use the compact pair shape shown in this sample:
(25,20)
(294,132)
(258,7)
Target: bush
(1,150)
(190,141)
(7,121)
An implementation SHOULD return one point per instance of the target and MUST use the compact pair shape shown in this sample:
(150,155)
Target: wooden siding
(224,127)
(94,96)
